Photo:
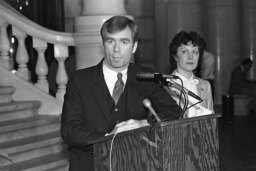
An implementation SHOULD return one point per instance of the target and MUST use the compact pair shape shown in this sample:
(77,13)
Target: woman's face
(187,58)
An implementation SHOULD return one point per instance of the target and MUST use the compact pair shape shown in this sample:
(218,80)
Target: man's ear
(134,47)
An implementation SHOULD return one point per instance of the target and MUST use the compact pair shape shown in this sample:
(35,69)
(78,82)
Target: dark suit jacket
(237,81)
(89,111)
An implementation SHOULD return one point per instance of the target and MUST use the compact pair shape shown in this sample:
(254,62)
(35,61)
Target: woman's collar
(183,77)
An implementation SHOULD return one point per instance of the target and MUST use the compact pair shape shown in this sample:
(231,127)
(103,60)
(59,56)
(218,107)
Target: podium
(190,144)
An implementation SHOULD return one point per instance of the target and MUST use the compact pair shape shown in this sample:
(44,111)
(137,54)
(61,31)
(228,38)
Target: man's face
(118,49)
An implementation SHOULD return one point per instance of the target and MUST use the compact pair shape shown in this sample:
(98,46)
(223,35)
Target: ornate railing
(21,28)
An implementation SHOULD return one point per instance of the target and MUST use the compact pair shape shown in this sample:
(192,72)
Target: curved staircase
(29,115)
(28,141)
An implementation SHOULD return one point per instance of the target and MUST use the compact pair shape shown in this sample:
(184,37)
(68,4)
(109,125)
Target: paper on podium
(198,111)
(128,125)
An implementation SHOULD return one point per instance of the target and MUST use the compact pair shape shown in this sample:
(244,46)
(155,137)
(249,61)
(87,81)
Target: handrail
(35,30)
(21,28)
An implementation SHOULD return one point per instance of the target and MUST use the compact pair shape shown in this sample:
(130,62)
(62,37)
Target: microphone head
(145,75)
(149,75)
(147,103)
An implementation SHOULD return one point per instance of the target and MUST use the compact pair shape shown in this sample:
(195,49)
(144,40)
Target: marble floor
(238,144)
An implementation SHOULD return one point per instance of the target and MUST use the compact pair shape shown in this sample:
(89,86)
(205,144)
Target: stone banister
(21,28)
(27,26)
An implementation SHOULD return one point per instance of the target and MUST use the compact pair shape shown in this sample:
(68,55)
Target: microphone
(179,87)
(158,76)
(147,104)
(149,75)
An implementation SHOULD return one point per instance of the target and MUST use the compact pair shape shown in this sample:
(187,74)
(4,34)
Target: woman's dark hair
(119,23)
(183,38)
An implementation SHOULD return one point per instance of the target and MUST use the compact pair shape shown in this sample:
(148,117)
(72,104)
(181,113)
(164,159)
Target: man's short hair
(247,61)
(118,23)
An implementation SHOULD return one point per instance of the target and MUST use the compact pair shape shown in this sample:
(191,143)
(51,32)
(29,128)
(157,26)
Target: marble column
(143,12)
(249,34)
(224,41)
(173,16)
(87,29)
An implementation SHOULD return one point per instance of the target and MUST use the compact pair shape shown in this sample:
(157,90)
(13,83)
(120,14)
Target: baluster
(21,55)
(61,54)
(4,46)
(41,65)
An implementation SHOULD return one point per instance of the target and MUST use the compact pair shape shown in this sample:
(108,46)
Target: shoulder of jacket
(202,81)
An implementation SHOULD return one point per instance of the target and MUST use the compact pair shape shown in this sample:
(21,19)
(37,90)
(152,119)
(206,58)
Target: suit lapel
(131,93)
(101,93)
(131,90)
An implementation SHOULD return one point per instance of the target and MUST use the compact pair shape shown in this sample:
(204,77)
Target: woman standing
(185,51)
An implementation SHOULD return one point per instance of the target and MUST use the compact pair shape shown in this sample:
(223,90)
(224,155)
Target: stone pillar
(87,29)
(173,16)
(249,33)
(72,9)
(224,41)
(103,7)
(143,12)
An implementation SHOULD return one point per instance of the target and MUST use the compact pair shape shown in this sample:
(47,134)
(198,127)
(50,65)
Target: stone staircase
(29,142)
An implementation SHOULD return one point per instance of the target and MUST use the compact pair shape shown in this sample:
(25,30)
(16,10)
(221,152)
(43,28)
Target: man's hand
(128,125)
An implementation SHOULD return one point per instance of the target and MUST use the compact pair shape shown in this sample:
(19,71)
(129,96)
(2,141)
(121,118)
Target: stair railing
(41,37)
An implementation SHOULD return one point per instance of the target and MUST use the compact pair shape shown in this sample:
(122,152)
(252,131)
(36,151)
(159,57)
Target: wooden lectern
(190,144)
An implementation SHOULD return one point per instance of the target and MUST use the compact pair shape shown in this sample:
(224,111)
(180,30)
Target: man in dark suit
(238,81)
(239,84)
(90,112)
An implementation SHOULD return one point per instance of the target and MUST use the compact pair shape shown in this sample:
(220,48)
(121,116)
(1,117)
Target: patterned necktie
(118,89)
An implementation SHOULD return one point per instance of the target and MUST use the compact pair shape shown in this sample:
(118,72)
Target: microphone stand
(161,80)
(165,82)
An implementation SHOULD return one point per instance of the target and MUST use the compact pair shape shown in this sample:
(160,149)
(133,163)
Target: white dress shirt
(191,84)
(110,77)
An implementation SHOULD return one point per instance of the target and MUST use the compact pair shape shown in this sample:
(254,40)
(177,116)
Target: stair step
(23,124)
(30,142)
(64,167)
(38,164)
(33,146)
(18,109)
(17,121)
(18,105)
(6,93)
(30,148)
(45,148)
(29,132)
